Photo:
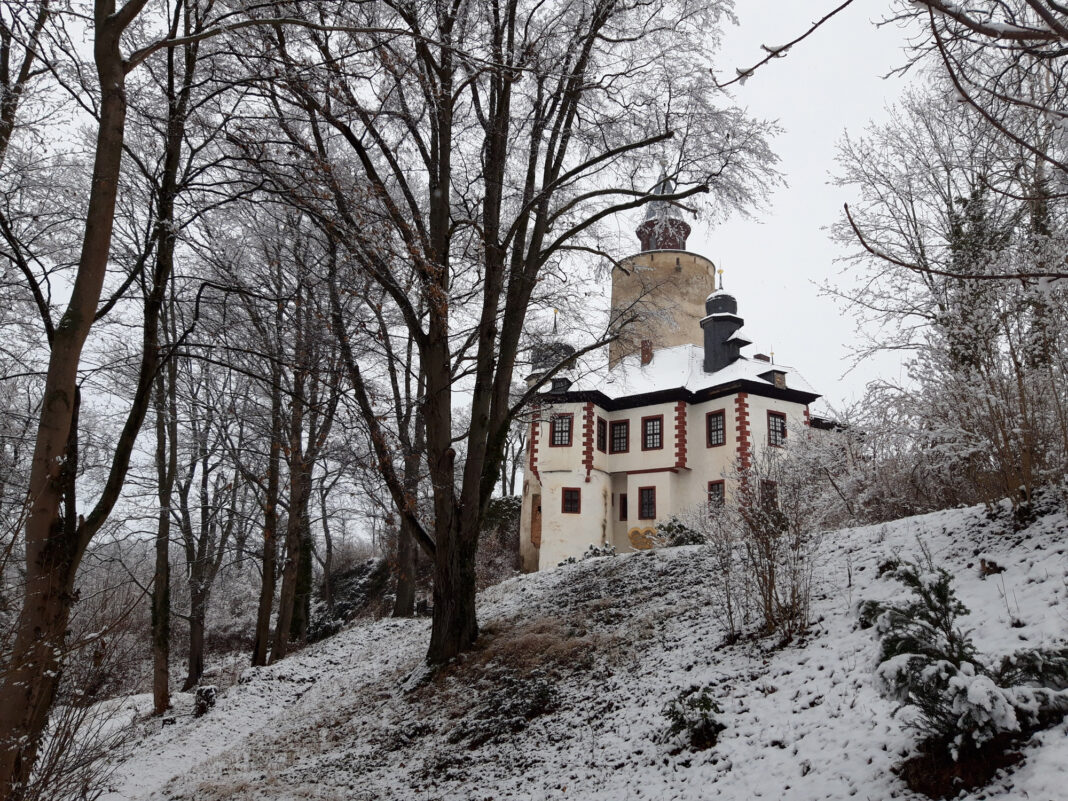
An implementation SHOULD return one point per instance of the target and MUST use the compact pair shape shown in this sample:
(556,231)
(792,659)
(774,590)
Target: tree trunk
(197,613)
(404,603)
(53,551)
(302,595)
(455,625)
(161,583)
(270,523)
(295,546)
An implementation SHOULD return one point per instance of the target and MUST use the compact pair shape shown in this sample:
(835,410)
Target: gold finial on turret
(720,271)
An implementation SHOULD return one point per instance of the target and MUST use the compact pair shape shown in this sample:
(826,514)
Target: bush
(507,707)
(592,552)
(674,533)
(967,713)
(691,714)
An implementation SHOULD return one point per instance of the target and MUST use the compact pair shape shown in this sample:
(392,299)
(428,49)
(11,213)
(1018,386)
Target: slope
(564,698)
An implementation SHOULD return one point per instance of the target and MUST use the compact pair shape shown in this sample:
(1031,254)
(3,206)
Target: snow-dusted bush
(692,718)
(678,531)
(507,704)
(927,663)
(592,552)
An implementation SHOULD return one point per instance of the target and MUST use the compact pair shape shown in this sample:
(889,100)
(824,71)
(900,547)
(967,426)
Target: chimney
(762,357)
(647,351)
(721,324)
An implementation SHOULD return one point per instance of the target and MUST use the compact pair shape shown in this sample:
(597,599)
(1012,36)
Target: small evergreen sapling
(926,662)
(692,713)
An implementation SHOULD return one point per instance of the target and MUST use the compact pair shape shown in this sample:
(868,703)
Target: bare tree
(489,143)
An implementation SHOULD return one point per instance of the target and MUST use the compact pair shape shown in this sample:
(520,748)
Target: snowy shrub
(691,715)
(597,551)
(592,552)
(506,707)
(204,700)
(929,664)
(675,533)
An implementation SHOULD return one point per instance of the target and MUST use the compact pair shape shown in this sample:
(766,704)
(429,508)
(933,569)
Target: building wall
(602,477)
(668,288)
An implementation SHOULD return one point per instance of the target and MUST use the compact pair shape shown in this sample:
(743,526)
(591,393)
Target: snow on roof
(681,367)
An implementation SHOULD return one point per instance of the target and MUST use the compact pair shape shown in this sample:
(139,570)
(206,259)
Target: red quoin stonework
(808,420)
(588,422)
(741,417)
(535,426)
(680,434)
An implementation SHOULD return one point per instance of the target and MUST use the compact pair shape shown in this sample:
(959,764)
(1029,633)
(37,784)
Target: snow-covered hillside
(565,697)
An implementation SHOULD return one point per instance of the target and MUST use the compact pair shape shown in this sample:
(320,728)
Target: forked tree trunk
(291,572)
(54,551)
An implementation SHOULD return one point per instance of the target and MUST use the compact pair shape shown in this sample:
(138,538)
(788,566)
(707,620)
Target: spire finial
(555,313)
(720,271)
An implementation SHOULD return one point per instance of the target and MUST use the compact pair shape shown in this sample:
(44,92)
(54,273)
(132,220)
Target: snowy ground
(602,645)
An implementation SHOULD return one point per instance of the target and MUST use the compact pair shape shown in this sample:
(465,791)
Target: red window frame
(722,415)
(781,435)
(721,493)
(645,437)
(570,429)
(622,506)
(641,503)
(577,497)
(602,434)
(616,424)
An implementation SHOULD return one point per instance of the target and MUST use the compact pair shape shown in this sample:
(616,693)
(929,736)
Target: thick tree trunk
(54,551)
(197,613)
(270,526)
(291,571)
(455,624)
(404,603)
(161,583)
(302,595)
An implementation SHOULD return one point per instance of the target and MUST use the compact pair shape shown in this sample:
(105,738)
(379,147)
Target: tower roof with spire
(663,209)
(663,227)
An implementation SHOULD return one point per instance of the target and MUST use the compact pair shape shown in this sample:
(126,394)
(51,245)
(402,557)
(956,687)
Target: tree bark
(197,613)
(270,526)
(53,551)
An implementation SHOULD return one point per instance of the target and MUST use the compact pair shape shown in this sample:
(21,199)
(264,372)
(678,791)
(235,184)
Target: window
(602,435)
(776,429)
(647,503)
(620,442)
(623,506)
(653,433)
(571,502)
(716,428)
(769,494)
(560,431)
(715,494)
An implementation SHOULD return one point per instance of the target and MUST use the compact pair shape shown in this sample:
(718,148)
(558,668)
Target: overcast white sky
(773,264)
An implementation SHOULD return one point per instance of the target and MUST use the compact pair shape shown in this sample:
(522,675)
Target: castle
(679,408)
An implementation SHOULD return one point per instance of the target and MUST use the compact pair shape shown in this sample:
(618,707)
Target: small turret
(721,325)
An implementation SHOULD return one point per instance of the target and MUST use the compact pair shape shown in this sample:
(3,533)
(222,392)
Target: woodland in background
(254,259)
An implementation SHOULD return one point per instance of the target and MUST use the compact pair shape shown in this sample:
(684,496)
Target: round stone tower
(659,293)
